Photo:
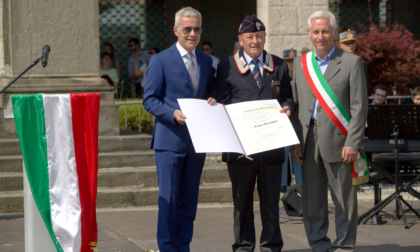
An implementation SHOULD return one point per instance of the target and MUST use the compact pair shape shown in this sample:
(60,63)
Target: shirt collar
(249,58)
(326,58)
(182,51)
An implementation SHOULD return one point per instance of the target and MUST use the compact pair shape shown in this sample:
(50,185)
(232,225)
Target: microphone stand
(20,75)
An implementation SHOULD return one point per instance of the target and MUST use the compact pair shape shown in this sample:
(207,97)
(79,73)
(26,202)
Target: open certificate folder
(245,127)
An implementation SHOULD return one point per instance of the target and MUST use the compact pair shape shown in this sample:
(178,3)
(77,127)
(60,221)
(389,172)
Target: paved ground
(134,229)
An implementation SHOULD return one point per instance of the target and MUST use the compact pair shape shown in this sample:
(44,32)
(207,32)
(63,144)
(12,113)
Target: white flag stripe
(64,186)
(37,237)
(323,93)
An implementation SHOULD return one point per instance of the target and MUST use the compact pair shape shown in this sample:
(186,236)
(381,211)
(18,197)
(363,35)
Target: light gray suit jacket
(346,76)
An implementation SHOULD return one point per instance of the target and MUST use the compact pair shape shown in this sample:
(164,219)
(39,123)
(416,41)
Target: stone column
(286,23)
(71,29)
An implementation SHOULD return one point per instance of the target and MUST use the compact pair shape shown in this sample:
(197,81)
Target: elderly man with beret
(254,74)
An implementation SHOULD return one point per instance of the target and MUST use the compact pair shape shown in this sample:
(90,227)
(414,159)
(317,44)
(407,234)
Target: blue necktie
(256,73)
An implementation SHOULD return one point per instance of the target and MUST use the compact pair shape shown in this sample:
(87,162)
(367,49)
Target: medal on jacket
(275,86)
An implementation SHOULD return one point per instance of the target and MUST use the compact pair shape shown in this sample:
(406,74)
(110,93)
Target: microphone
(45,53)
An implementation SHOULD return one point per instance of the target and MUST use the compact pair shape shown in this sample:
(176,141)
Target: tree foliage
(391,53)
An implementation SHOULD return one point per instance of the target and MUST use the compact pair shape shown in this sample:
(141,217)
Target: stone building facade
(286,23)
(71,28)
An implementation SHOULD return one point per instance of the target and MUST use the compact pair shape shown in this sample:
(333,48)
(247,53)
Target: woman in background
(106,70)
(108,48)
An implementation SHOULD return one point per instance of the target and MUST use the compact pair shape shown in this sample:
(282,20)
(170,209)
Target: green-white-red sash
(334,109)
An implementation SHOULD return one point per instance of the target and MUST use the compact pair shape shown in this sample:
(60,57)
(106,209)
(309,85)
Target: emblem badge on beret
(292,53)
(348,35)
(251,24)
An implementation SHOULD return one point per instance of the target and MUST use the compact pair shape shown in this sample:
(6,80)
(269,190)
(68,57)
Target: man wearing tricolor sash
(329,89)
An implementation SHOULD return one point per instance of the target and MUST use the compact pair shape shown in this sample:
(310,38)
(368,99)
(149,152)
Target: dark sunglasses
(188,29)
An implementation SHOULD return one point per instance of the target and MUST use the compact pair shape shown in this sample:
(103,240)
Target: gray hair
(186,12)
(323,14)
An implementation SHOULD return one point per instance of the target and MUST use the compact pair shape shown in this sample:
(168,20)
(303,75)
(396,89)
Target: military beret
(251,24)
(348,35)
(289,54)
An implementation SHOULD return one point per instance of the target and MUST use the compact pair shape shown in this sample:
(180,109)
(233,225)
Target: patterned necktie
(256,73)
(191,69)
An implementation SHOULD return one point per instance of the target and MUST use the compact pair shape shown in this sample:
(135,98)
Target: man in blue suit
(178,72)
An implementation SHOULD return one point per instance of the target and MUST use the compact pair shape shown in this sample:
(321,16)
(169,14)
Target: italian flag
(58,136)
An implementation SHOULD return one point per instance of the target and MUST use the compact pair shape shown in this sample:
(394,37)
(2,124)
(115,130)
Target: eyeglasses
(187,30)
(206,48)
(130,45)
(151,52)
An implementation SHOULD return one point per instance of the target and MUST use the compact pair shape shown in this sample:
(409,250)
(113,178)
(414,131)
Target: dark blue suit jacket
(167,80)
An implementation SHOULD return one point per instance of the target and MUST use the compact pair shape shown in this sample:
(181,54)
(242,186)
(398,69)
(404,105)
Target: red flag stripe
(85,116)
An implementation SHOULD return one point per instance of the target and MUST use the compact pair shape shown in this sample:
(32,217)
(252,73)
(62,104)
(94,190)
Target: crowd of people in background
(110,68)
(137,64)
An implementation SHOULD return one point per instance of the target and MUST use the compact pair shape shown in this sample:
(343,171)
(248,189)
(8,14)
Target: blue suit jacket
(167,80)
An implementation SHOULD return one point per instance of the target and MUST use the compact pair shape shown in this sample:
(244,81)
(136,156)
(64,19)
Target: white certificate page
(245,127)
(260,125)
(209,127)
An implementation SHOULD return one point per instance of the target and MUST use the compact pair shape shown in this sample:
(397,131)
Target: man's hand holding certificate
(245,127)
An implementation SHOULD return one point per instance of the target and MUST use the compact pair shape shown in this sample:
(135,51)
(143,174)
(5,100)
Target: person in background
(207,48)
(379,94)
(180,71)
(416,95)
(142,70)
(107,70)
(254,74)
(108,48)
(137,59)
(153,51)
(348,41)
(329,147)
(236,47)
(290,163)
(289,56)
(304,50)
(411,85)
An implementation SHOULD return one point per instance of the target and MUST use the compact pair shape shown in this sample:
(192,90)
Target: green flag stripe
(328,89)
(28,111)
(364,157)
